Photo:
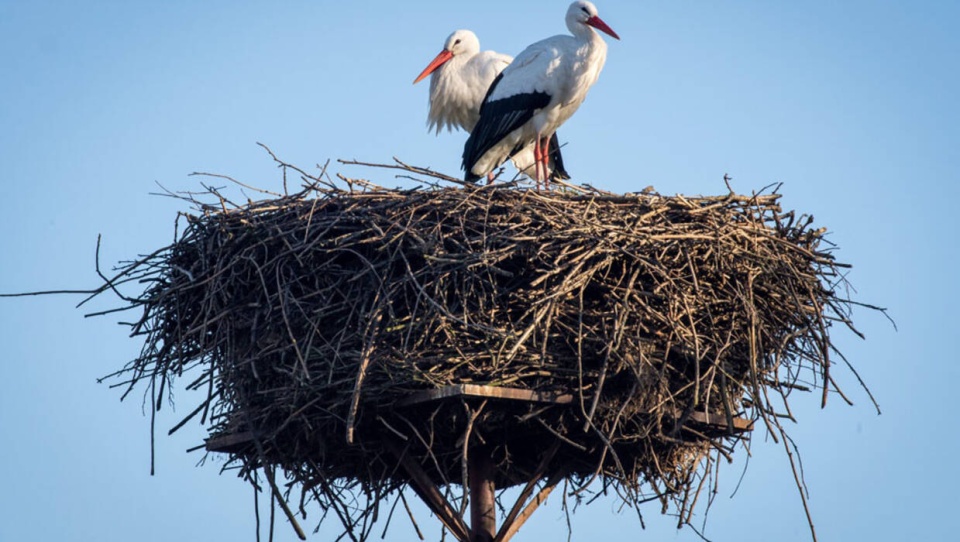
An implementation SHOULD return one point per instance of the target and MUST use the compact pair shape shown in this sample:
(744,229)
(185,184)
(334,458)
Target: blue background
(852,105)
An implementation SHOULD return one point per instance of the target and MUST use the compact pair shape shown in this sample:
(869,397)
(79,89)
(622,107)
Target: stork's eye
(585,10)
(456,42)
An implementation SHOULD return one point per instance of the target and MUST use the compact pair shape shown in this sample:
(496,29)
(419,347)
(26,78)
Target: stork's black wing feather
(497,119)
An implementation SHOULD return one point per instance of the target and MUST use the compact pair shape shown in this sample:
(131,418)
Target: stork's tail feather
(556,160)
(470,157)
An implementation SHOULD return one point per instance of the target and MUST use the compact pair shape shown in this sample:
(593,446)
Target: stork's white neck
(592,49)
(580,30)
(592,44)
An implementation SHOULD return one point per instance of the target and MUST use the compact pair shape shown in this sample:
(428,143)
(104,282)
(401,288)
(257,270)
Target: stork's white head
(460,43)
(582,14)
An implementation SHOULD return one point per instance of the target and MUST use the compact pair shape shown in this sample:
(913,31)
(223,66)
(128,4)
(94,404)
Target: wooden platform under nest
(715,423)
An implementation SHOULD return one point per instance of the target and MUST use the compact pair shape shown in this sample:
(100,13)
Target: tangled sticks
(365,340)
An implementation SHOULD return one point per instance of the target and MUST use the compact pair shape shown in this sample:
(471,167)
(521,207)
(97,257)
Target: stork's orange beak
(598,23)
(444,56)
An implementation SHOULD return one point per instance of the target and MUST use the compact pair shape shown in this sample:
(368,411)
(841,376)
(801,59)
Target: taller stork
(536,93)
(460,76)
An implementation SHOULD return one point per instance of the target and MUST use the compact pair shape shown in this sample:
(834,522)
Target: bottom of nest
(520,446)
(511,455)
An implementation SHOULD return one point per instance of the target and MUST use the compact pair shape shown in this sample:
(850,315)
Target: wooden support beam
(421,484)
(507,532)
(483,497)
(528,490)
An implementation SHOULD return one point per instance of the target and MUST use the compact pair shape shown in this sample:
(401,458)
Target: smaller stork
(460,76)
(536,93)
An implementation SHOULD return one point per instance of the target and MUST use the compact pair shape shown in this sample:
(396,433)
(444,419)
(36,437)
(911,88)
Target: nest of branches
(610,342)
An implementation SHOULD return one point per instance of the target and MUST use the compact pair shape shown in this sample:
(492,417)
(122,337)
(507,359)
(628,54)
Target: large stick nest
(311,320)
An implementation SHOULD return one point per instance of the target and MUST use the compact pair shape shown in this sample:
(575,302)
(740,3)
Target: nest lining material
(310,320)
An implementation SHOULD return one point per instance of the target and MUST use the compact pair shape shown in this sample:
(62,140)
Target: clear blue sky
(852,105)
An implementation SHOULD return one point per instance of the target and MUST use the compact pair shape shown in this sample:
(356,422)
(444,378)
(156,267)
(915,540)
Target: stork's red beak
(598,23)
(444,56)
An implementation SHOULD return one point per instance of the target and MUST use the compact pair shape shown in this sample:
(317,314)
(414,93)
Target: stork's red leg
(537,159)
(489,178)
(545,153)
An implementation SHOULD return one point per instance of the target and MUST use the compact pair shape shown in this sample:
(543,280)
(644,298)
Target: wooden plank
(719,422)
(490,392)
(710,421)
(229,442)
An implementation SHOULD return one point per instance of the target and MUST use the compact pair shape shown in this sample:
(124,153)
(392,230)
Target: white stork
(460,77)
(536,93)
